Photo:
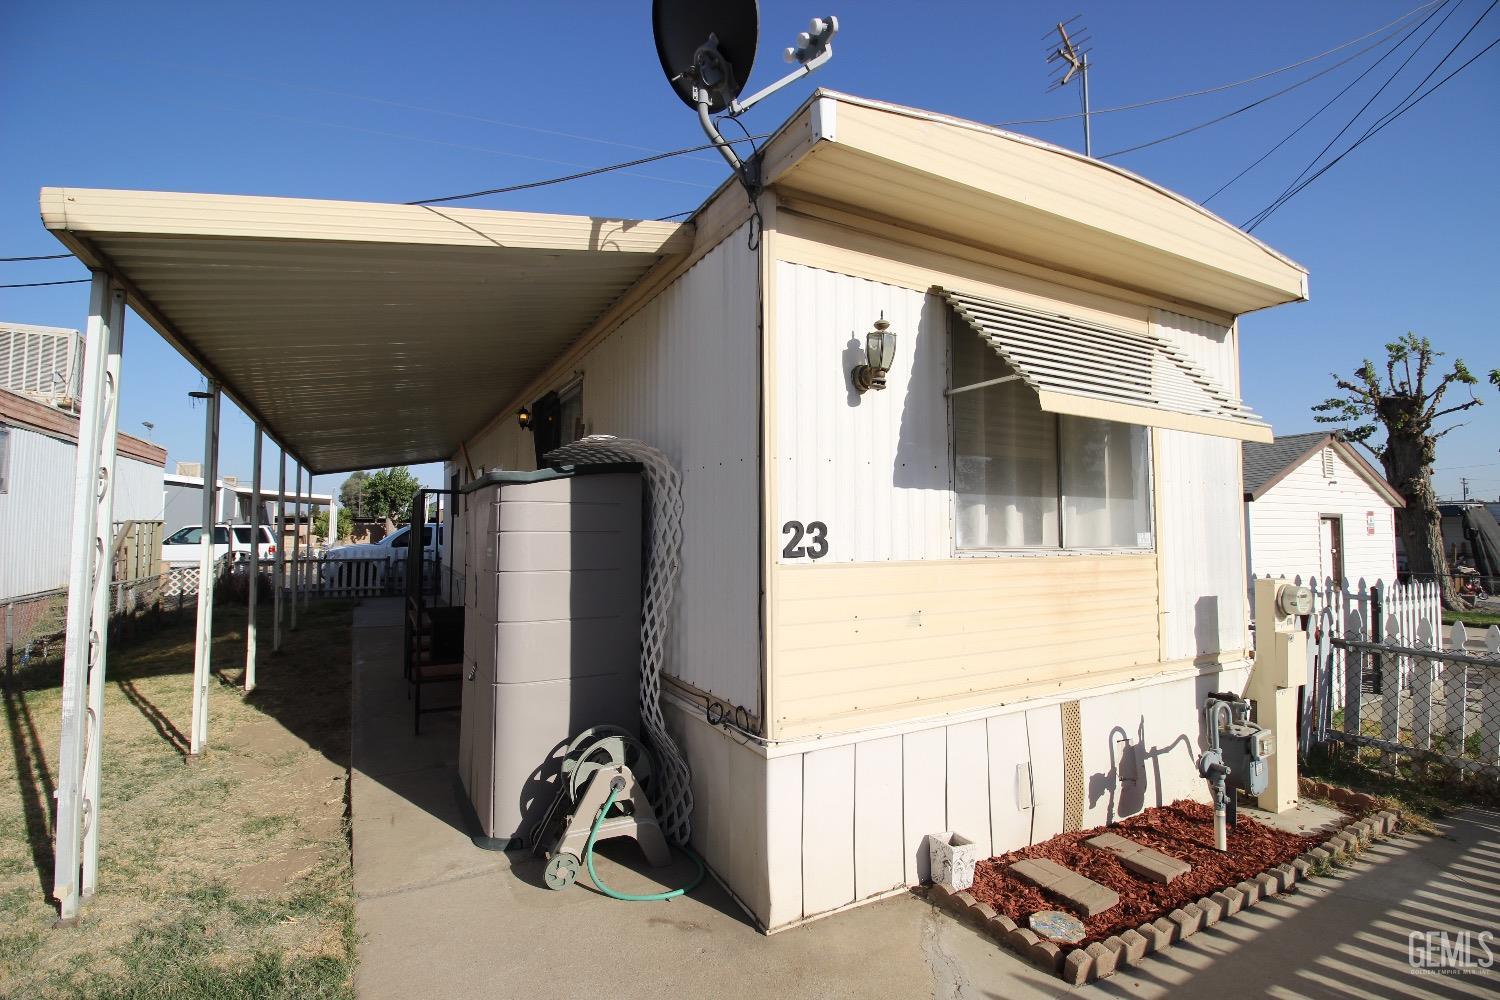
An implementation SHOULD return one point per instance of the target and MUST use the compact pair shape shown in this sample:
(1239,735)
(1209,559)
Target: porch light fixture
(880,351)
(523,418)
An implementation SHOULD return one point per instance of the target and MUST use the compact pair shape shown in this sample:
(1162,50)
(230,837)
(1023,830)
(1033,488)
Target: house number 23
(814,532)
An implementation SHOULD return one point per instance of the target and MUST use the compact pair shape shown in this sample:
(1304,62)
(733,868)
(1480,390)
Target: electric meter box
(552,629)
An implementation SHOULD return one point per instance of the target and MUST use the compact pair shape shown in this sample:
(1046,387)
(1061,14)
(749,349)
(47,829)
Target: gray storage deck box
(551,629)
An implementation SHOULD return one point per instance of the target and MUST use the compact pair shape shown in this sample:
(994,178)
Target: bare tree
(1407,408)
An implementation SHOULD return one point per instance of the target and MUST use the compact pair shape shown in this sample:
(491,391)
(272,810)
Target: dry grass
(225,877)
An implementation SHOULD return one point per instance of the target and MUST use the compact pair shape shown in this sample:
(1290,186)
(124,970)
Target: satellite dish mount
(707,51)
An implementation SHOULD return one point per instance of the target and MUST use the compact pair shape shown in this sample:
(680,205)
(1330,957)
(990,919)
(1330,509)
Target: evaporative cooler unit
(551,632)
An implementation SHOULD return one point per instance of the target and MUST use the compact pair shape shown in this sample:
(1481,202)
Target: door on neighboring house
(1331,546)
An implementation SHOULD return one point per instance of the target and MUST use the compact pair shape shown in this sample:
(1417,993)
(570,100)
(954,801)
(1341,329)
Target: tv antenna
(1070,59)
(706,50)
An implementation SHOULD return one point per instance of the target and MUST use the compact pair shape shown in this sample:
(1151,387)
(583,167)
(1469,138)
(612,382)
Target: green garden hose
(588,859)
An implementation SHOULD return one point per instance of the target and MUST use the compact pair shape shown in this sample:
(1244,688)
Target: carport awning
(1087,369)
(358,334)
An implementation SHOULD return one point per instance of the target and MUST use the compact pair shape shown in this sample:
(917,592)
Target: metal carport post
(278,576)
(203,646)
(86,649)
(254,566)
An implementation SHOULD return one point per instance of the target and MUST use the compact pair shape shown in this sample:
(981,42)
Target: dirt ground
(227,876)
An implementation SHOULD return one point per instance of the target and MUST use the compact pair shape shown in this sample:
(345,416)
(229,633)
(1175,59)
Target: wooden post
(1424,677)
(1456,695)
(254,566)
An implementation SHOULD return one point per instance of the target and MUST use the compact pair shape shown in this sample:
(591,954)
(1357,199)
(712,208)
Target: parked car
(390,552)
(184,545)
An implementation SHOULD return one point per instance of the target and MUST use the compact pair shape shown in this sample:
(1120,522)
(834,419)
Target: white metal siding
(874,468)
(680,375)
(1284,525)
(859,815)
(1210,345)
(1198,490)
(36,512)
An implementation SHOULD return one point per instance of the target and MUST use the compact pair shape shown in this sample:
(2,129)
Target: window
(570,414)
(4,459)
(242,534)
(186,536)
(1025,478)
(221,535)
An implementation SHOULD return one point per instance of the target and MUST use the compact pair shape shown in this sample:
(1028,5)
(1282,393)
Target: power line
(1370,134)
(1371,100)
(1252,104)
(586,173)
(49,256)
(41,284)
(349,95)
(1225,86)
(1328,104)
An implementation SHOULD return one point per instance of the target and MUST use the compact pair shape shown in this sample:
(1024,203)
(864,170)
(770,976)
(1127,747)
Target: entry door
(1331,546)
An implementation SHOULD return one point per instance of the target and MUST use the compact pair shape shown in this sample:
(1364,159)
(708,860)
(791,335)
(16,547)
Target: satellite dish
(709,43)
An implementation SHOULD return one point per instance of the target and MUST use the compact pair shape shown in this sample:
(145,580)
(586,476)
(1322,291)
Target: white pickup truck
(184,546)
(390,551)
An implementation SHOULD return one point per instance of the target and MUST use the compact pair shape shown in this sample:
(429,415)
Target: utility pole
(1071,59)
(1463,483)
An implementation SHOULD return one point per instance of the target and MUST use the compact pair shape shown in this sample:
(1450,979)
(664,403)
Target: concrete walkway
(441,918)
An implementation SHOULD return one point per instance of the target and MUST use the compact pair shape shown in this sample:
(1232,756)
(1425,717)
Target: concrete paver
(1147,862)
(439,917)
(1083,894)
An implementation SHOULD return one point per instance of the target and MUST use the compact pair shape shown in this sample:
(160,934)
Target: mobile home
(987,597)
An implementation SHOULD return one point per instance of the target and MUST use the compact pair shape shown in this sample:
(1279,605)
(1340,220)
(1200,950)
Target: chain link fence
(35,625)
(1419,697)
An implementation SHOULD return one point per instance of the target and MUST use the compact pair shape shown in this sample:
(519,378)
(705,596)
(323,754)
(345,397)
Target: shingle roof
(1263,462)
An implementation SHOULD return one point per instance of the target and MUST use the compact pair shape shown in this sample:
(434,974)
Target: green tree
(352,493)
(1406,406)
(388,494)
(346,523)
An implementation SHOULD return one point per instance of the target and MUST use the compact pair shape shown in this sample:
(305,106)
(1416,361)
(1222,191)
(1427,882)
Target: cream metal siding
(680,375)
(874,468)
(863,644)
(1284,539)
(36,511)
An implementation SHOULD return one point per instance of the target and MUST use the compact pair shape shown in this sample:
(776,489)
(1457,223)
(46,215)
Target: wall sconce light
(523,418)
(880,351)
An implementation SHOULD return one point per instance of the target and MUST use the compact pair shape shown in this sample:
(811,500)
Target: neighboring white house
(1315,507)
(988,598)
(38,448)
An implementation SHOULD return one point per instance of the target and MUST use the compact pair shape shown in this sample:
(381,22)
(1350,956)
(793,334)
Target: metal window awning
(1087,369)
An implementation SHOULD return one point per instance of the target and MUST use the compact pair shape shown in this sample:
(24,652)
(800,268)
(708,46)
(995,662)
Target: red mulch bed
(1183,830)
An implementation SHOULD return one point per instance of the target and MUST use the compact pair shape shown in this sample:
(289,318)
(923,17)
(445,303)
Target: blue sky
(390,102)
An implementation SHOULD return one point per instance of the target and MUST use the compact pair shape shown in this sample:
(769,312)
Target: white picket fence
(1410,605)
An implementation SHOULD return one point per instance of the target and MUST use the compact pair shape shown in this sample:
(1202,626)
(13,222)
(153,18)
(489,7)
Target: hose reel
(601,794)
